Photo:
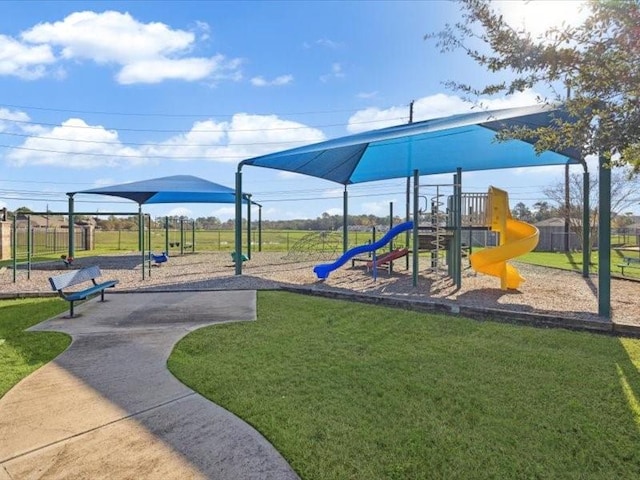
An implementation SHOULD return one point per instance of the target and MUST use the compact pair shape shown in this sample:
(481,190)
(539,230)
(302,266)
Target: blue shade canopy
(175,189)
(431,147)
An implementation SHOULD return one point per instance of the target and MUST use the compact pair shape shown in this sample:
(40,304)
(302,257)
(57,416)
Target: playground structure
(439,232)
(516,238)
(316,246)
(176,231)
(323,270)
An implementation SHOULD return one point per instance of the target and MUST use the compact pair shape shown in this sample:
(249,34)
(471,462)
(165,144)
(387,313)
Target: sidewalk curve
(108,407)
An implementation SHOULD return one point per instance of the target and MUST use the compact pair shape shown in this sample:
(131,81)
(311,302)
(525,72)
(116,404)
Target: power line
(167,115)
(163,145)
(117,155)
(152,130)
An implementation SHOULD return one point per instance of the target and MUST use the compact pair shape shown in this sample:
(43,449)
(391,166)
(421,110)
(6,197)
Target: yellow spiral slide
(515,238)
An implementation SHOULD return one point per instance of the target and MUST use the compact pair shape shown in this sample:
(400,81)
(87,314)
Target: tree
(596,60)
(23,211)
(624,194)
(543,211)
(522,212)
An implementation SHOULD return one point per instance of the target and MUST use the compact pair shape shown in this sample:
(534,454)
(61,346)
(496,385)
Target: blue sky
(101,93)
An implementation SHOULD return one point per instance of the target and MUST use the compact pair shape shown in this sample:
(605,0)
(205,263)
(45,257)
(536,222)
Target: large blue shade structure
(435,146)
(174,189)
(465,142)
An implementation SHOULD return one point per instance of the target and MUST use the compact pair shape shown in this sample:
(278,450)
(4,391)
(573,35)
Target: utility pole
(411,111)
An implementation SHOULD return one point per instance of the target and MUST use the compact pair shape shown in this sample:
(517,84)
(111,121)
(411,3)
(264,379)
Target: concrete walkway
(109,408)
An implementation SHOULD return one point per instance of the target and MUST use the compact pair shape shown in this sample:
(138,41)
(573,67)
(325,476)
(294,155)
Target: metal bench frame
(76,277)
(629,262)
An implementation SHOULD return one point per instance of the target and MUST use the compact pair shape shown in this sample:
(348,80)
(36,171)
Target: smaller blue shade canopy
(174,189)
(431,147)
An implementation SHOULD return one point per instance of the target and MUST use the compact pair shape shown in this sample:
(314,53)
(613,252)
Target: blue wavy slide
(323,270)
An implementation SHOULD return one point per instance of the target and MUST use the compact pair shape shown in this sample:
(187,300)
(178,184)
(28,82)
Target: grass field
(23,352)
(573,261)
(346,390)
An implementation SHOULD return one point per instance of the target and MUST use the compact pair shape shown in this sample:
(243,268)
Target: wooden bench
(629,262)
(60,283)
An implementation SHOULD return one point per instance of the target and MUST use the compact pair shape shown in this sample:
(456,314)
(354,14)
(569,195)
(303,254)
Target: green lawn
(23,352)
(573,261)
(352,391)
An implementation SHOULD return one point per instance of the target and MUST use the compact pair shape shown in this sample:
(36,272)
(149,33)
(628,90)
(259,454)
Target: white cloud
(323,42)
(24,61)
(290,175)
(146,52)
(159,70)
(336,72)
(109,37)
(333,193)
(379,208)
(225,213)
(204,30)
(179,212)
(333,211)
(367,95)
(10,120)
(245,136)
(75,144)
(433,106)
(278,81)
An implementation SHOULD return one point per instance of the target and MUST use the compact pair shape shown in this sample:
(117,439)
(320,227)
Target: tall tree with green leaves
(597,61)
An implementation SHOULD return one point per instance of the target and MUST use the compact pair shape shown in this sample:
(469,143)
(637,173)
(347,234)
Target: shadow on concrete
(109,408)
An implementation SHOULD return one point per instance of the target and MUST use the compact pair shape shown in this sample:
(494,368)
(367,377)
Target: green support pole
(259,228)
(345,222)
(249,226)
(14,247)
(140,228)
(193,236)
(148,256)
(407,218)
(416,205)
(604,241)
(390,227)
(166,234)
(141,241)
(181,236)
(29,240)
(586,225)
(72,247)
(238,222)
(391,224)
(458,228)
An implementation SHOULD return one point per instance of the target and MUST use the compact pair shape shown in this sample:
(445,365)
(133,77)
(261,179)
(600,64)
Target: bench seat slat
(82,294)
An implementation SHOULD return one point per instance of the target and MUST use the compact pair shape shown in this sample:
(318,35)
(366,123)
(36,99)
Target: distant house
(41,221)
(552,236)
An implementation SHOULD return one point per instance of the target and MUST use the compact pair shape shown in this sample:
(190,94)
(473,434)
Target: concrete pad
(108,406)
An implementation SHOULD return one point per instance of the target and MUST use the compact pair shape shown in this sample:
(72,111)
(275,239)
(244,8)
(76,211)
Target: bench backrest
(74,277)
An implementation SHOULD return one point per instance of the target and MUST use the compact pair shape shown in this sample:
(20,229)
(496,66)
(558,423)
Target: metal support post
(416,218)
(345,220)
(604,241)
(248,227)
(238,222)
